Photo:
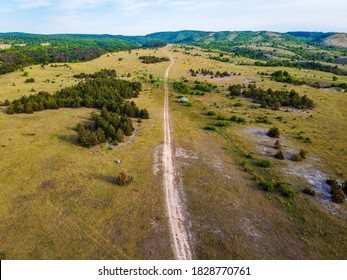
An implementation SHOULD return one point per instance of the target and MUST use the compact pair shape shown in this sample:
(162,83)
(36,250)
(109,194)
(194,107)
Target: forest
(29,49)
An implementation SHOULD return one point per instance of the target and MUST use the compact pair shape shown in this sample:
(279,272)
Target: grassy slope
(58,200)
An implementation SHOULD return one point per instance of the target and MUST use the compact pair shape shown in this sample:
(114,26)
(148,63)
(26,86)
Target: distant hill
(337,40)
(301,47)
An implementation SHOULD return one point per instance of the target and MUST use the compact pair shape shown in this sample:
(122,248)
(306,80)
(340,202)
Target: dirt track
(179,231)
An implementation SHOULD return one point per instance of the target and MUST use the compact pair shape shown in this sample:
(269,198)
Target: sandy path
(179,231)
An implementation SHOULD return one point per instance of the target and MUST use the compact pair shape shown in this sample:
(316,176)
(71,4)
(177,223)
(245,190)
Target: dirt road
(179,230)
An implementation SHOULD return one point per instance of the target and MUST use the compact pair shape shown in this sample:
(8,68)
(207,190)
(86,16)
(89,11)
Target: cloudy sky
(135,17)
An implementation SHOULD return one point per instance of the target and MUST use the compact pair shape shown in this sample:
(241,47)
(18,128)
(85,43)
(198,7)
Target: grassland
(58,200)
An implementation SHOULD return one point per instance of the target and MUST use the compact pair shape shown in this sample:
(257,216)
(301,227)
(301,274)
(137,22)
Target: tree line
(154,44)
(153,59)
(272,98)
(206,72)
(104,73)
(285,77)
(312,65)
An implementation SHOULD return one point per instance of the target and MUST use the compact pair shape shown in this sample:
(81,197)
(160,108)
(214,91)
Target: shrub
(221,118)
(237,119)
(303,153)
(263,119)
(279,155)
(332,182)
(222,123)
(210,127)
(274,132)
(265,163)
(211,113)
(299,156)
(280,185)
(296,157)
(249,156)
(268,187)
(238,104)
(309,191)
(189,104)
(337,194)
(288,192)
(30,80)
(123,179)
(277,145)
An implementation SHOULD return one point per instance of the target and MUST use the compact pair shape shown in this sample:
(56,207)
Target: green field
(58,200)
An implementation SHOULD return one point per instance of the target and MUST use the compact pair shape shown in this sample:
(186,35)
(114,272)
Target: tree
(100,135)
(120,135)
(277,145)
(337,193)
(144,114)
(274,132)
(123,179)
(279,155)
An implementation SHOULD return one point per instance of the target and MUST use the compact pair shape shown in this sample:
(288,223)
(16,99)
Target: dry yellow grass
(57,199)
(5,46)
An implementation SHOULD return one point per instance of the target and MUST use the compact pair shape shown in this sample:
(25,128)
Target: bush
(280,187)
(222,123)
(268,187)
(274,132)
(299,156)
(237,119)
(211,113)
(277,145)
(123,179)
(265,163)
(31,80)
(279,155)
(263,119)
(309,191)
(288,192)
(303,153)
(221,118)
(296,157)
(210,127)
(337,194)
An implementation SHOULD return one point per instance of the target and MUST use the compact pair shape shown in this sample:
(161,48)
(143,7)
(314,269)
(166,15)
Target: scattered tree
(274,132)
(279,155)
(123,179)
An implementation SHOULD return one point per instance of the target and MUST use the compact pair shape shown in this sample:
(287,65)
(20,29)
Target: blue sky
(135,17)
